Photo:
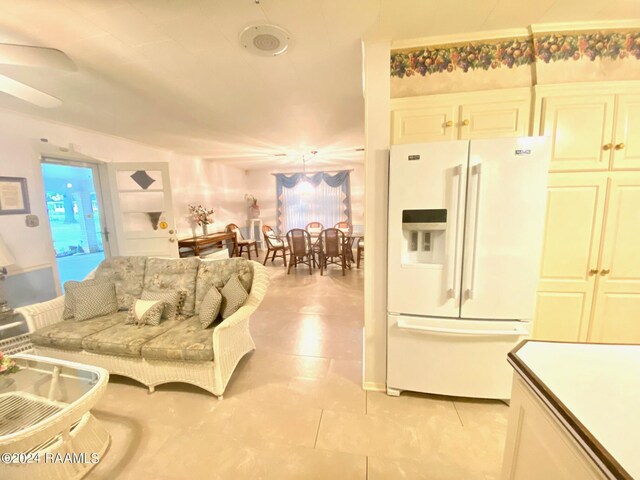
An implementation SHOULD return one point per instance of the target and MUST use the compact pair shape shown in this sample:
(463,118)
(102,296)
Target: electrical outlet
(32,221)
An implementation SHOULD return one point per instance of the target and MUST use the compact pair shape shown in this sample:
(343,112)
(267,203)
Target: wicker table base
(46,428)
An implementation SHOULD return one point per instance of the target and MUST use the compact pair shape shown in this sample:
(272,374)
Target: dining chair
(243,245)
(333,249)
(347,229)
(274,244)
(314,229)
(300,249)
(360,252)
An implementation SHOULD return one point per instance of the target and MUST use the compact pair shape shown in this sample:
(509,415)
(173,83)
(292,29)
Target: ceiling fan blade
(28,56)
(27,93)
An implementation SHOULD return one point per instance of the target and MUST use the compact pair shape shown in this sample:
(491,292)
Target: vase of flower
(254,208)
(201,216)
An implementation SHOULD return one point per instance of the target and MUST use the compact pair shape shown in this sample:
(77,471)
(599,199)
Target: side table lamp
(6,258)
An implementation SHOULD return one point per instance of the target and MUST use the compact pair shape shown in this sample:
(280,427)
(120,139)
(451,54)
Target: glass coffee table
(46,427)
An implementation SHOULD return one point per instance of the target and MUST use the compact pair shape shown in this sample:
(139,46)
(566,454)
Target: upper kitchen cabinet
(591,125)
(484,114)
(425,124)
(580,128)
(626,149)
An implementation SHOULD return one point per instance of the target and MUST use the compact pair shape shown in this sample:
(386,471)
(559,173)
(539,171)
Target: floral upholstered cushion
(217,274)
(70,298)
(174,274)
(188,341)
(128,275)
(69,335)
(145,312)
(233,297)
(210,307)
(94,300)
(124,339)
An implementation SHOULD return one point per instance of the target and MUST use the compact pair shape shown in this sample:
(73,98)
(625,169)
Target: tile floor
(295,408)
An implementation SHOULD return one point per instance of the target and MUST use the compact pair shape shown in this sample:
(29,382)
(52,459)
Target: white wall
(192,180)
(377,144)
(262,184)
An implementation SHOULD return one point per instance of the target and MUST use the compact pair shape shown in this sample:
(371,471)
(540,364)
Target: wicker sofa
(175,351)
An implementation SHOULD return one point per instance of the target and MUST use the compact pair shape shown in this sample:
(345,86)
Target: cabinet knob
(593,271)
(172,240)
(608,146)
(465,123)
(606,271)
(171,232)
(619,146)
(449,123)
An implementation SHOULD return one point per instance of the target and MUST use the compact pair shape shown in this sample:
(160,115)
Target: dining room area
(301,222)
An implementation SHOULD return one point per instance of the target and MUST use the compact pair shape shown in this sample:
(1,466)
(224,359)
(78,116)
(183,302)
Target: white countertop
(600,386)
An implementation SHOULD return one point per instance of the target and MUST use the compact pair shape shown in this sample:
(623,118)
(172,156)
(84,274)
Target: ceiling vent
(265,40)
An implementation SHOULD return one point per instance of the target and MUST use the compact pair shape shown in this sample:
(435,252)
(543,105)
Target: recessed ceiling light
(265,40)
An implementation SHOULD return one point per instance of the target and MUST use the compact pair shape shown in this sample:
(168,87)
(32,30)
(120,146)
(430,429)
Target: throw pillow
(94,300)
(170,299)
(145,312)
(233,296)
(69,295)
(210,307)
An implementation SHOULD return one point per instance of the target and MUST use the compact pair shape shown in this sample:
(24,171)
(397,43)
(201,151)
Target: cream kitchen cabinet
(488,114)
(627,133)
(589,287)
(616,315)
(538,445)
(572,412)
(593,127)
(568,271)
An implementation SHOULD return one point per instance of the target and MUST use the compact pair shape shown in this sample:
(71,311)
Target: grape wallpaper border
(512,53)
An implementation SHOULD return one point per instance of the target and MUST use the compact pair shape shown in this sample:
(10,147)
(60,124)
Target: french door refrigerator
(465,239)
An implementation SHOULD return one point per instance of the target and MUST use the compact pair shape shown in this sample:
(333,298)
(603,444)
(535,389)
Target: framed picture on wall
(14,196)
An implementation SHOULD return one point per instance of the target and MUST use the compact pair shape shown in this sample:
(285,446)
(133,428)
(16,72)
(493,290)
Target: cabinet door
(617,307)
(426,124)
(573,224)
(581,129)
(626,153)
(538,446)
(495,119)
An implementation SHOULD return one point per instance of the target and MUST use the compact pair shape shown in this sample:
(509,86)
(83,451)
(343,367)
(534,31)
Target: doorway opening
(74,202)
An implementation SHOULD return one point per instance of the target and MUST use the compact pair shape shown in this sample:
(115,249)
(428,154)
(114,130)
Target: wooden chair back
(270,237)
(232,227)
(345,227)
(314,226)
(332,241)
(299,241)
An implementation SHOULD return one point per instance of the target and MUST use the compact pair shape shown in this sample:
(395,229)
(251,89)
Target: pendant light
(305,187)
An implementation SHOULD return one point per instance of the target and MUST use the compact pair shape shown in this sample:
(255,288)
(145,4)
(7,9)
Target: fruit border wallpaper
(547,57)
(471,56)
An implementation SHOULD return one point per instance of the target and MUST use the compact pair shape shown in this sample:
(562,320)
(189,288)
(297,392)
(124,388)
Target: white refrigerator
(465,233)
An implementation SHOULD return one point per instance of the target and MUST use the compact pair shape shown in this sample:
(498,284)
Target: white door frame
(100,182)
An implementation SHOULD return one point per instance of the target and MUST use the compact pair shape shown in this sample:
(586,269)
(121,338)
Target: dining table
(200,243)
(349,239)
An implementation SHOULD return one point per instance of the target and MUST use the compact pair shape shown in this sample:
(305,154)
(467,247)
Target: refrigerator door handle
(453,291)
(477,172)
(452,331)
